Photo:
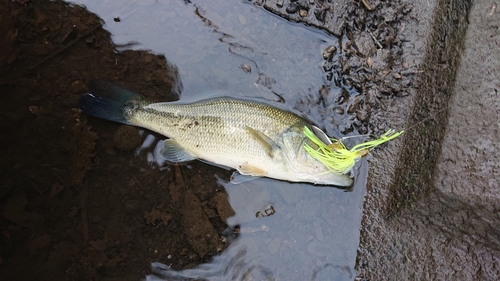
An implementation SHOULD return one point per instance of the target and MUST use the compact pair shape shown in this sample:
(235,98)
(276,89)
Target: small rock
(246,68)
(329,52)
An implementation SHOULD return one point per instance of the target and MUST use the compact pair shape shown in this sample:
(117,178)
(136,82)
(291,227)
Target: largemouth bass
(254,138)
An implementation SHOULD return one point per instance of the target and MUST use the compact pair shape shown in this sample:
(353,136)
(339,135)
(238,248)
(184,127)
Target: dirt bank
(60,218)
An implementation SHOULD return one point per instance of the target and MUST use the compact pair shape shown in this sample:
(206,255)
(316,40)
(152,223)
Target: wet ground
(63,219)
(87,199)
(442,222)
(84,199)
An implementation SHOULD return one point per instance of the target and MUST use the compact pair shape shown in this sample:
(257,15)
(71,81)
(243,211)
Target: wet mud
(368,58)
(62,219)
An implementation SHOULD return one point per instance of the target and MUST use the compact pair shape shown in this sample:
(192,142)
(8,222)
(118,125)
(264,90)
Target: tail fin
(110,102)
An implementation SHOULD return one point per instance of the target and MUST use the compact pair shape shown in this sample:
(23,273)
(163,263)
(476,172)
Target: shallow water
(287,232)
(238,49)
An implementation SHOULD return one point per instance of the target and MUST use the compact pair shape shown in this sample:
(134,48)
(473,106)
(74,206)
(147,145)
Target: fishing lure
(336,156)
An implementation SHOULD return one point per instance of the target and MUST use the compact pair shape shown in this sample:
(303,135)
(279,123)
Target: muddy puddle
(90,199)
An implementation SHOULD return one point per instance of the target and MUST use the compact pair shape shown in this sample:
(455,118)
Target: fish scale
(201,126)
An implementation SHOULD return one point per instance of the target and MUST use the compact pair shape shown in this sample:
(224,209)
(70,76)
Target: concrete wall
(440,217)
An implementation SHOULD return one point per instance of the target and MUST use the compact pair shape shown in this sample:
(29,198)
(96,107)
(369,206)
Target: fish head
(302,167)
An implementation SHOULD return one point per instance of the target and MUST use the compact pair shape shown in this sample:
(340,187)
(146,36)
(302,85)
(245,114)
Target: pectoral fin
(250,170)
(267,143)
(173,152)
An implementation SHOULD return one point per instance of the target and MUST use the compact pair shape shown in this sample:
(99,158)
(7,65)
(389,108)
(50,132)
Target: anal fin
(250,170)
(173,152)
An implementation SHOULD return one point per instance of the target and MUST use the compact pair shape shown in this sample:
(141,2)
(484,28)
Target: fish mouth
(343,181)
(327,178)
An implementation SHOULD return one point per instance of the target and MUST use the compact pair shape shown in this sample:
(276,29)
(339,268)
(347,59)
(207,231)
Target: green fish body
(254,138)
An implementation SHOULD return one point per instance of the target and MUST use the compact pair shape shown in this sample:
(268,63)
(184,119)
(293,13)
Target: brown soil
(75,202)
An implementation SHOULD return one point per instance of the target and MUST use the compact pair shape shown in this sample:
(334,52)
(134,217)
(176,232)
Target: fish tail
(110,102)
